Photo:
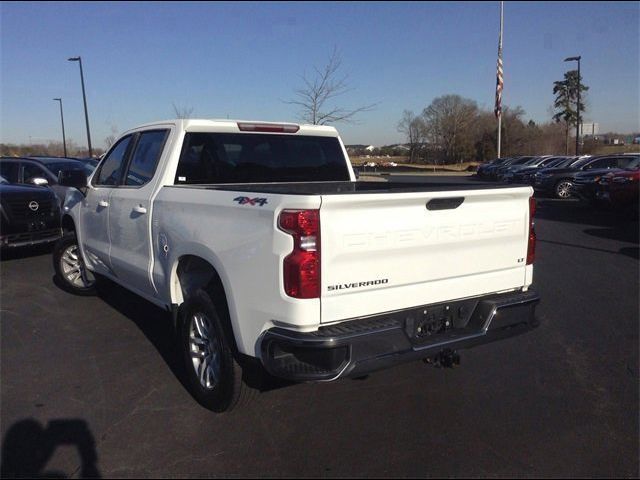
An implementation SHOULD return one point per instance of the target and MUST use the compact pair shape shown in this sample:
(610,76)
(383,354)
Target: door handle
(103,203)
(140,209)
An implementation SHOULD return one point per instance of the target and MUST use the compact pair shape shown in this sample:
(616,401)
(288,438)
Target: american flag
(499,83)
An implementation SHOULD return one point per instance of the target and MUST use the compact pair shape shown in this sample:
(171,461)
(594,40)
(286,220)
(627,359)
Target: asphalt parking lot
(92,386)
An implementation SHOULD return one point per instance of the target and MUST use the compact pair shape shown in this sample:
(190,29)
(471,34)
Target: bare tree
(314,99)
(450,122)
(182,111)
(110,140)
(414,130)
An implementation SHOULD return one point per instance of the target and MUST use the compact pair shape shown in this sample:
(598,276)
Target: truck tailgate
(388,251)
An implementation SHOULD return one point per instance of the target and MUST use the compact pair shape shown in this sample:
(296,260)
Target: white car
(260,241)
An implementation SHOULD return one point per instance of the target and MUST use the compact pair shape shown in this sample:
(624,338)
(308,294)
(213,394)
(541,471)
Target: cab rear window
(221,158)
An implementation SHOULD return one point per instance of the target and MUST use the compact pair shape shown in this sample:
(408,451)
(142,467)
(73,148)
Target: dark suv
(559,182)
(42,171)
(30,215)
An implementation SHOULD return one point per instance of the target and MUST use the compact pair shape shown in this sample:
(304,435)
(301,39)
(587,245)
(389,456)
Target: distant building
(589,129)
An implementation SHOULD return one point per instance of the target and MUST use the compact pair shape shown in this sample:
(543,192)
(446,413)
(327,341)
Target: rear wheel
(214,375)
(563,188)
(70,268)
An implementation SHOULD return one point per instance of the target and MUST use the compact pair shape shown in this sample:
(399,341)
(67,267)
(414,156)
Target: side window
(145,157)
(602,163)
(111,168)
(30,171)
(9,170)
(624,162)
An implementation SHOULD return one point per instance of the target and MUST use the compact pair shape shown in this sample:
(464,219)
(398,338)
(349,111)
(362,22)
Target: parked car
(507,174)
(41,171)
(499,172)
(558,182)
(30,215)
(258,239)
(620,189)
(485,170)
(585,183)
(526,173)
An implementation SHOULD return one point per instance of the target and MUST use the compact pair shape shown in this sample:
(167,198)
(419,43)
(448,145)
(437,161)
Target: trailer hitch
(444,359)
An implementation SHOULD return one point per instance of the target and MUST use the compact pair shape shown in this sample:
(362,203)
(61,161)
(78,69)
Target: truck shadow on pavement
(28,447)
(156,324)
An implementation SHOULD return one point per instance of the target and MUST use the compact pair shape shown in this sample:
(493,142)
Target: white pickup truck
(260,240)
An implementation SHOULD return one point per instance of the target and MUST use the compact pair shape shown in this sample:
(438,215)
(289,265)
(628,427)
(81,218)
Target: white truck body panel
(425,256)
(417,255)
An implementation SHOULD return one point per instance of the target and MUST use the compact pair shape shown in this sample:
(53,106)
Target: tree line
(454,129)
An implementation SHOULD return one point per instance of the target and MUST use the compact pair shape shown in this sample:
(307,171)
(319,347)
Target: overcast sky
(241,60)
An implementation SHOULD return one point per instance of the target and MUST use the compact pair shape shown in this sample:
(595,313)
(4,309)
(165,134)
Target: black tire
(87,281)
(562,188)
(227,390)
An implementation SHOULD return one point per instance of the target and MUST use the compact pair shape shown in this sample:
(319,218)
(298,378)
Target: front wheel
(70,268)
(563,188)
(214,375)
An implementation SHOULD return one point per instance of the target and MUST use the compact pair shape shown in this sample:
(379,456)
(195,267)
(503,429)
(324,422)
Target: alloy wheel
(205,350)
(74,270)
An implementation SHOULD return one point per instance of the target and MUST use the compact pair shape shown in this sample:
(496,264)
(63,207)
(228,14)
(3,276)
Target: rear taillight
(531,247)
(301,268)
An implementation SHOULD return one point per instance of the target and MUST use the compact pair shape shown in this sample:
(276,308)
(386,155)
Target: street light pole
(84,98)
(571,59)
(64,140)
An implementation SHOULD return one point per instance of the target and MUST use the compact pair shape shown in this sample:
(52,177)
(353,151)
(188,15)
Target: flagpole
(500,56)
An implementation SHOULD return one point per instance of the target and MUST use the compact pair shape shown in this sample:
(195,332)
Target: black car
(585,183)
(30,215)
(525,173)
(42,171)
(484,169)
(502,169)
(558,182)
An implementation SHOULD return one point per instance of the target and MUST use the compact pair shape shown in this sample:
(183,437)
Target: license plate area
(434,322)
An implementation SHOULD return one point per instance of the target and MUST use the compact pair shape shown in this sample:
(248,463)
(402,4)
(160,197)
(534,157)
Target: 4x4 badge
(250,201)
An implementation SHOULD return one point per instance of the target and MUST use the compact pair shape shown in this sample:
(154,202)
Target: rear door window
(111,168)
(144,159)
(626,161)
(258,158)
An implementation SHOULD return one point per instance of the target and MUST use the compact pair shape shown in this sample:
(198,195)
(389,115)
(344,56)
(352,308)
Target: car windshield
(520,161)
(580,162)
(533,161)
(554,162)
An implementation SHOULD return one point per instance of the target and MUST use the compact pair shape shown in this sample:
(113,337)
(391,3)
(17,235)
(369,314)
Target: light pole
(64,140)
(84,97)
(571,59)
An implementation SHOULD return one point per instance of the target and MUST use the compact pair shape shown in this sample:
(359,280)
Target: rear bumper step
(356,347)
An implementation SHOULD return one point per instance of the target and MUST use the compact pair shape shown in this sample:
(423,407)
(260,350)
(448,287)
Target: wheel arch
(191,273)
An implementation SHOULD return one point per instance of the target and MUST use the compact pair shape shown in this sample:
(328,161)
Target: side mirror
(38,181)
(73,178)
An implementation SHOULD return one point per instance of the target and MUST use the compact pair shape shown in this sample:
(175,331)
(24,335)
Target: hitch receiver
(445,359)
